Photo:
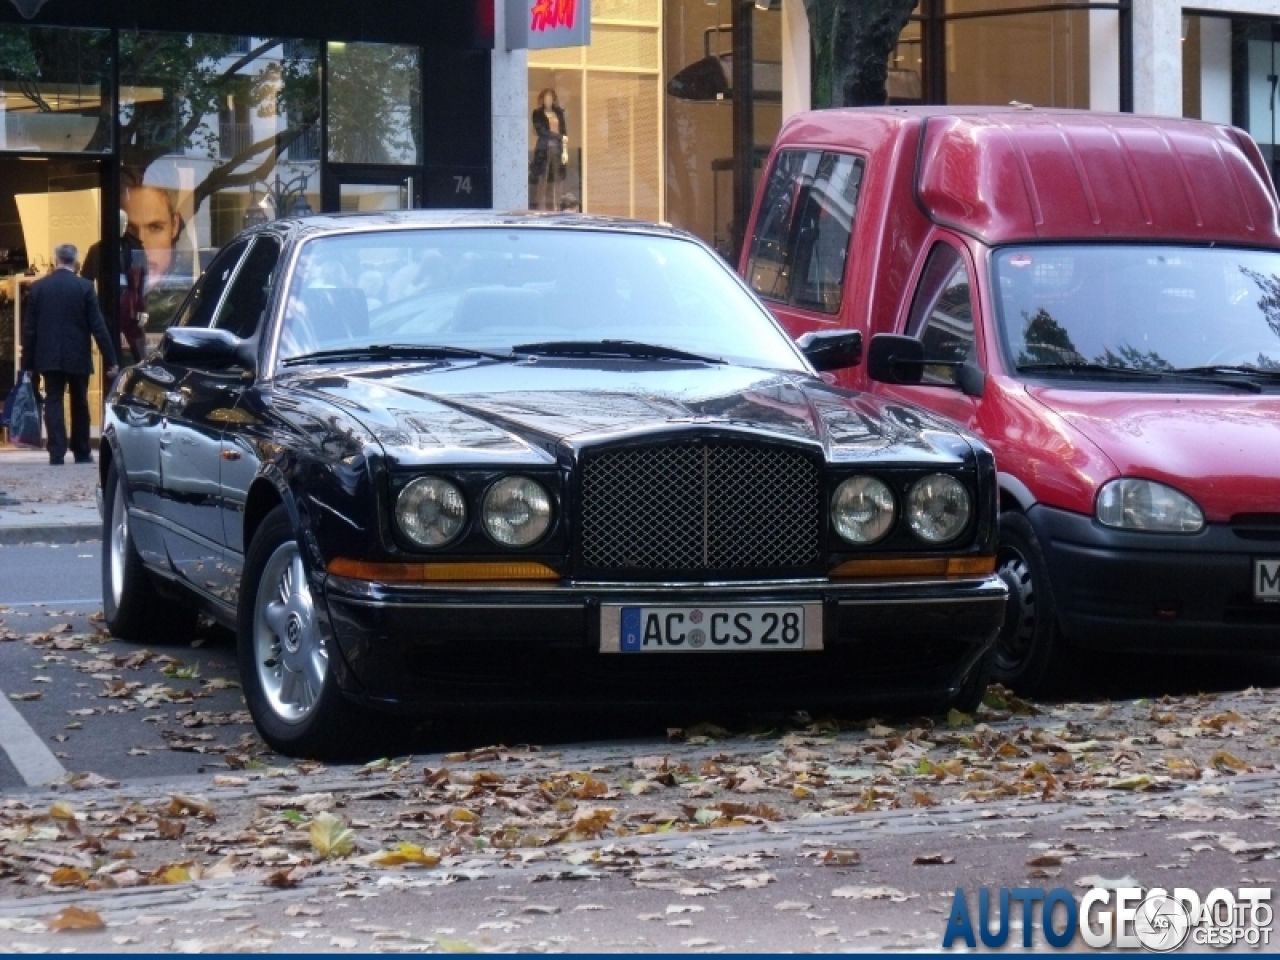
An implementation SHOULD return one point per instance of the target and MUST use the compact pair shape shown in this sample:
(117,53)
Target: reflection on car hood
(1221,450)
(523,412)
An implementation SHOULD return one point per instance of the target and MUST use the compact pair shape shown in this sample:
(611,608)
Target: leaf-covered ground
(279,824)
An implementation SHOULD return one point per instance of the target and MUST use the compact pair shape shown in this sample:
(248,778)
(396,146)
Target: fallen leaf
(1226,762)
(840,858)
(932,860)
(285,879)
(405,854)
(330,837)
(76,918)
(170,829)
(1045,860)
(68,876)
(867,893)
(1093,880)
(23,697)
(61,810)
(792,905)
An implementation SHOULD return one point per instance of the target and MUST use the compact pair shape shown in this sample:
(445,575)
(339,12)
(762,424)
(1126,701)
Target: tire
(974,688)
(288,683)
(1031,656)
(132,606)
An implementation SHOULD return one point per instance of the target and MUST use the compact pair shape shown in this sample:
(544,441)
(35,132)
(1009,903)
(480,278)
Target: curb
(51,533)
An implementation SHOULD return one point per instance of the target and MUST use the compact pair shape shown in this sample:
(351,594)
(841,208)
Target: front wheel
(288,679)
(1031,655)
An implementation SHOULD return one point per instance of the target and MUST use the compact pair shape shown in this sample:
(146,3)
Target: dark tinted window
(242,308)
(199,308)
(767,269)
(823,228)
(942,312)
(801,245)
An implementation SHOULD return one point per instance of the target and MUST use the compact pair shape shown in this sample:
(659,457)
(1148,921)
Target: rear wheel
(285,668)
(132,606)
(1031,655)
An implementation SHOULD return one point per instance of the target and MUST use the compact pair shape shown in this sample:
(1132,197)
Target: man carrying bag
(61,314)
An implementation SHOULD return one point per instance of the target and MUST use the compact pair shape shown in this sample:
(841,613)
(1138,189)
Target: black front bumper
(443,648)
(1119,589)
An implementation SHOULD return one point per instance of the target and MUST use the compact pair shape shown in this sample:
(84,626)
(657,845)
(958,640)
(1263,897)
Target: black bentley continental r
(422,462)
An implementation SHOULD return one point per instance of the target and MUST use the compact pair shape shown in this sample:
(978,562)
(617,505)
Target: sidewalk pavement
(40,503)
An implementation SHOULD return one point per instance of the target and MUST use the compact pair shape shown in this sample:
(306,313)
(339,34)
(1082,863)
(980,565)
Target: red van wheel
(1030,655)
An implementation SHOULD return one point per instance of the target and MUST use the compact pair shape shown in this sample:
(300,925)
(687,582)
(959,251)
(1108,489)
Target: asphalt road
(179,711)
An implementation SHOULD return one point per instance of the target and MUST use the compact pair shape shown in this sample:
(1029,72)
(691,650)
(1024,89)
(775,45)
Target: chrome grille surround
(700,506)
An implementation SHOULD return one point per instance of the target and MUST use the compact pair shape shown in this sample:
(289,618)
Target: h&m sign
(545,24)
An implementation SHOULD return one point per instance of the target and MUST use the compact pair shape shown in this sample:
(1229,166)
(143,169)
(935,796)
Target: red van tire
(1031,655)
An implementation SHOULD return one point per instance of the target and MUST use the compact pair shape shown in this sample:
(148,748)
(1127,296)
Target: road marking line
(50,603)
(34,761)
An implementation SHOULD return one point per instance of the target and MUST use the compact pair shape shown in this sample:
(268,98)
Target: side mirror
(831,349)
(901,360)
(895,359)
(212,349)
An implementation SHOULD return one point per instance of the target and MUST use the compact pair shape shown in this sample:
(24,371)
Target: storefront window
(216,133)
(375,104)
(1229,70)
(595,128)
(55,90)
(699,123)
(1001,51)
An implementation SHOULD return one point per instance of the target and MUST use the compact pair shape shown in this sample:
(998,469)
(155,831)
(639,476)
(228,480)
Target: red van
(1097,296)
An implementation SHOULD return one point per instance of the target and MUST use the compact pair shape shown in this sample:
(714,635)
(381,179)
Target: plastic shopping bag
(24,423)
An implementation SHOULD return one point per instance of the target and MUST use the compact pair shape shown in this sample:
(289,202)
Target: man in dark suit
(61,314)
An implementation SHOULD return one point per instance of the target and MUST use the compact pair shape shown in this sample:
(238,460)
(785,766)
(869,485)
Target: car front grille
(700,507)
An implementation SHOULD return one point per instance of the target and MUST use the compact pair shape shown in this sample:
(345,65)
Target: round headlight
(1133,504)
(517,511)
(862,510)
(431,512)
(938,508)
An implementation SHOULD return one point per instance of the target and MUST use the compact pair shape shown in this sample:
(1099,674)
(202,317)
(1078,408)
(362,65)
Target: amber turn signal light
(441,572)
(916,567)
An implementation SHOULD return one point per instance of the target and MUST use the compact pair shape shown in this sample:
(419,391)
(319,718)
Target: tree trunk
(852,43)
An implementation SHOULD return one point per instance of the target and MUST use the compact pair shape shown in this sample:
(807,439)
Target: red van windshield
(1148,308)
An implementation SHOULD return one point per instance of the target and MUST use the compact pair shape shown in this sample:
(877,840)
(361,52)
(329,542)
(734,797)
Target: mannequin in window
(132,282)
(551,153)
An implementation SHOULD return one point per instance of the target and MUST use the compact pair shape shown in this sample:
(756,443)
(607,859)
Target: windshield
(1139,307)
(490,289)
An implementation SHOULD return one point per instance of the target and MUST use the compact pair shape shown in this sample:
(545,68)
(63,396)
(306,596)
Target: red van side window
(800,249)
(942,312)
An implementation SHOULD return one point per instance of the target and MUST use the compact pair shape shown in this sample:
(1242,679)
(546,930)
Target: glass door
(367,191)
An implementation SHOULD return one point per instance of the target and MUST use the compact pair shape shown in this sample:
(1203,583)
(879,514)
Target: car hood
(526,412)
(1221,450)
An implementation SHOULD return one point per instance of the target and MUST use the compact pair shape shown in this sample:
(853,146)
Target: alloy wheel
(290,653)
(119,545)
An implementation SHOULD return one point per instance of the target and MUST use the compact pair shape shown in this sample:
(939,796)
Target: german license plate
(1266,580)
(666,628)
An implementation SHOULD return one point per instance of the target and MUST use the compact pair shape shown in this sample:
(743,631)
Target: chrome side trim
(429,605)
(166,523)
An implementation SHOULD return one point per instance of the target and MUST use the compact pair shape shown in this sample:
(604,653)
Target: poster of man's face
(155,222)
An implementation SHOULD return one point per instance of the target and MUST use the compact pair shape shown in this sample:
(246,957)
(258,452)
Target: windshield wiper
(628,349)
(1103,369)
(1233,369)
(394,351)
(1210,375)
